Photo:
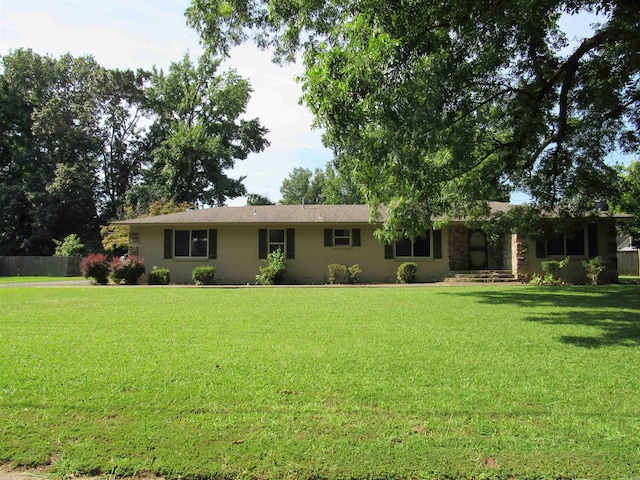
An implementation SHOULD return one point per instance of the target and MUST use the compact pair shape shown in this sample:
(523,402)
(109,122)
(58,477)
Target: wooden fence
(40,266)
(629,262)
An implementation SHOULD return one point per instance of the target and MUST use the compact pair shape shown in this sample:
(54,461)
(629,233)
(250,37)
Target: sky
(132,34)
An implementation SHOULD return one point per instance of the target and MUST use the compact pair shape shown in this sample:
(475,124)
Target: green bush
(71,246)
(551,270)
(354,272)
(594,268)
(204,275)
(407,272)
(159,276)
(127,270)
(272,272)
(96,267)
(337,273)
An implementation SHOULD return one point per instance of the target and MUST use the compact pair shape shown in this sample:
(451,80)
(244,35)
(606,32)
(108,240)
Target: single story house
(236,240)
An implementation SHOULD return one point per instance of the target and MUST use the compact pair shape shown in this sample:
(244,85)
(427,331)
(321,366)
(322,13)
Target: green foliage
(354,272)
(96,267)
(71,246)
(301,184)
(198,132)
(594,267)
(273,270)
(127,270)
(159,276)
(407,272)
(337,273)
(204,275)
(257,199)
(439,110)
(483,383)
(551,270)
(629,201)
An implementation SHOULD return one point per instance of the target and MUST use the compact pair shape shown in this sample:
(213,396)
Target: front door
(478,252)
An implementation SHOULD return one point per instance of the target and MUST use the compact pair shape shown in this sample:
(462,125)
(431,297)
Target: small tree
(71,246)
(272,272)
(594,268)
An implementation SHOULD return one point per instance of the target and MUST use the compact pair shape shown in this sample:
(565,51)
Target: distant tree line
(81,144)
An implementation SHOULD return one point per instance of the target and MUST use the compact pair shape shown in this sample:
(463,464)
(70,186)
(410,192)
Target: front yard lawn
(498,382)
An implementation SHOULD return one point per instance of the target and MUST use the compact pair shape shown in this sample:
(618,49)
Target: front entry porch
(470,253)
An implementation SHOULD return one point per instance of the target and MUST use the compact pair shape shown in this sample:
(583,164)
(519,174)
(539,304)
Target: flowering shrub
(127,270)
(354,272)
(96,267)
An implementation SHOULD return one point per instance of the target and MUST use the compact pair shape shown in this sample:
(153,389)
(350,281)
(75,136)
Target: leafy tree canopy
(303,185)
(630,199)
(433,107)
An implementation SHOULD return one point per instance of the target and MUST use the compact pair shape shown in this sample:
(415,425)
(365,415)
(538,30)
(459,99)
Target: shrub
(551,270)
(594,268)
(354,273)
(127,269)
(71,246)
(272,272)
(407,272)
(159,276)
(204,275)
(337,273)
(96,267)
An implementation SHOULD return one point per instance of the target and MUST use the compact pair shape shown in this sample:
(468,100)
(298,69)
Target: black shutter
(168,243)
(356,237)
(291,243)
(388,251)
(541,249)
(437,244)
(592,239)
(213,243)
(328,237)
(262,243)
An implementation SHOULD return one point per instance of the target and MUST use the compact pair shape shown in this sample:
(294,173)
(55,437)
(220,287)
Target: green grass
(475,382)
(33,279)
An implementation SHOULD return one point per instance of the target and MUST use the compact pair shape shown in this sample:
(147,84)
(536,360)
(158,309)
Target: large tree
(48,133)
(303,185)
(434,106)
(198,133)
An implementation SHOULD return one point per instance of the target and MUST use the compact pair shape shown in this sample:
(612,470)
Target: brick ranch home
(236,240)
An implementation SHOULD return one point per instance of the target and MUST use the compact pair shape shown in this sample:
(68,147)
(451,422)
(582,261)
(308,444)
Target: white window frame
(339,239)
(190,243)
(282,245)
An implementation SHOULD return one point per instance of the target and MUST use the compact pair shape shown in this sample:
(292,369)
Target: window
(270,240)
(428,246)
(342,237)
(276,240)
(420,247)
(191,243)
(569,244)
